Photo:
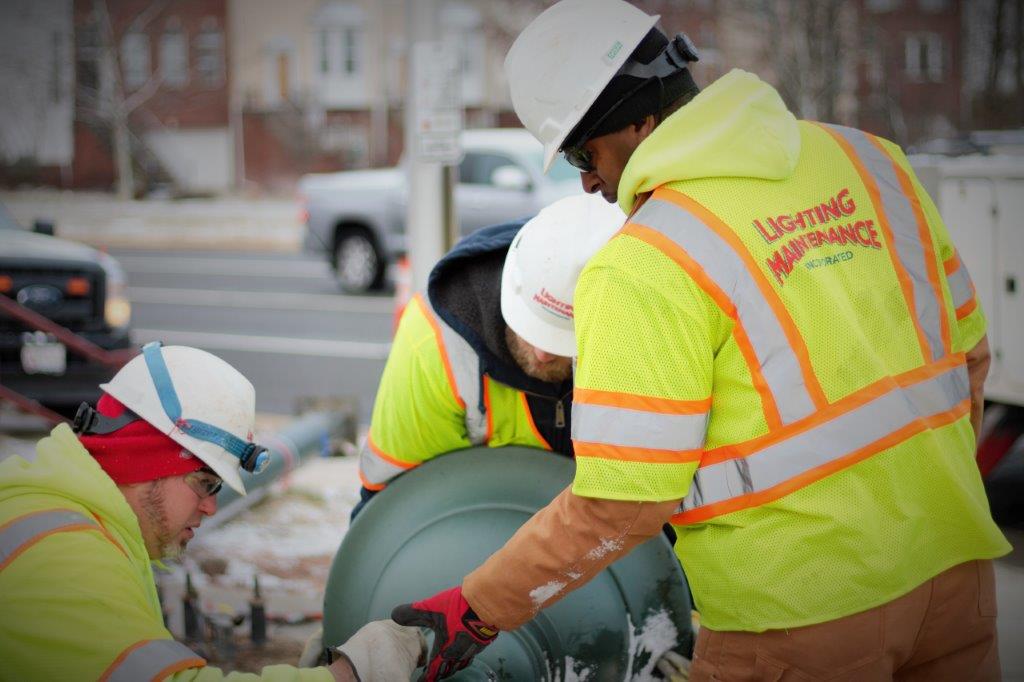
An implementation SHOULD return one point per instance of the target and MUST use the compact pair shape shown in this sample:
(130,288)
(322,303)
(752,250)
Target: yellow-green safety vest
(433,399)
(77,595)
(778,338)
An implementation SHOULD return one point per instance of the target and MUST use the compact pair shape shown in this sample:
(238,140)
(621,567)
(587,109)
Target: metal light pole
(433,123)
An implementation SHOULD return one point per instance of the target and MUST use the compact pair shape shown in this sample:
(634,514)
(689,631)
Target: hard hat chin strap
(253,458)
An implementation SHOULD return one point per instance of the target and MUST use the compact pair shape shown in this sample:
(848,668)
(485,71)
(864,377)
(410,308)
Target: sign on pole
(437,104)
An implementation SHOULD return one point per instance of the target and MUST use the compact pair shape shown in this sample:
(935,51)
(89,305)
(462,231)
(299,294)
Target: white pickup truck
(357,218)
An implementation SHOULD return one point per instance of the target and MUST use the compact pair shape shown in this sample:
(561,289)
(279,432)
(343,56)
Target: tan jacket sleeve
(561,548)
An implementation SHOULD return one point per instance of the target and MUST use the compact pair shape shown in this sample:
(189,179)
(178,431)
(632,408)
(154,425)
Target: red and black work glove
(459,635)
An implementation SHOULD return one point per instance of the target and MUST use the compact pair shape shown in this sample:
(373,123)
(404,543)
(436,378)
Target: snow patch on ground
(288,540)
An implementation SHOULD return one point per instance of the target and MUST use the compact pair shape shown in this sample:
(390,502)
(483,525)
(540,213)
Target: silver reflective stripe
(25,530)
(465,366)
(837,438)
(903,222)
(376,469)
(960,285)
(637,429)
(778,363)
(151,659)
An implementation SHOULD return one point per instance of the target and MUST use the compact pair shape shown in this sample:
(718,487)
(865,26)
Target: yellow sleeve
(74,607)
(967,319)
(416,415)
(646,340)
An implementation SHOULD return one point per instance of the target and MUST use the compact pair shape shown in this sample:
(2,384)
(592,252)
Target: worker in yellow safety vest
(81,522)
(780,351)
(485,357)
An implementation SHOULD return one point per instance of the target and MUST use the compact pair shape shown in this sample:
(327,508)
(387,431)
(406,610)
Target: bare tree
(107,100)
(995,51)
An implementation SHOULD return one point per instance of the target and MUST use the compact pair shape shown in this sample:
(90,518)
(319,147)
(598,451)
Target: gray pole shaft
(306,436)
(425,218)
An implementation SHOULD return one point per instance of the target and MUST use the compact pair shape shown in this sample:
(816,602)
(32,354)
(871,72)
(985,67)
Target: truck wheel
(358,265)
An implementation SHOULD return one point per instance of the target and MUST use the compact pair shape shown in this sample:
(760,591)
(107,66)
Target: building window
(87,73)
(346,44)
(56,64)
(210,56)
(324,43)
(350,50)
(174,57)
(340,64)
(135,59)
(923,57)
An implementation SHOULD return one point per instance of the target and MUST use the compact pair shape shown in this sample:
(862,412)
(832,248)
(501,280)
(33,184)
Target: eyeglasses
(579,158)
(203,483)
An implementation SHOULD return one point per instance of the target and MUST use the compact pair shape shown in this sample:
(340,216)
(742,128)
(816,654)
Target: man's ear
(645,127)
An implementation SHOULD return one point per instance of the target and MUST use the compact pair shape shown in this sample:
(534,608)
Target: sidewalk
(101,220)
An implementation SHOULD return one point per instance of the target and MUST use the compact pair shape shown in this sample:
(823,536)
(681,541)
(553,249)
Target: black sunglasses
(579,158)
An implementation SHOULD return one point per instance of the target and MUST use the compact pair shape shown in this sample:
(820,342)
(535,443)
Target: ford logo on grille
(40,296)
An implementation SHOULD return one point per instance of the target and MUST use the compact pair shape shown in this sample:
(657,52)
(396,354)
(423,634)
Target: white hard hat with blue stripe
(199,401)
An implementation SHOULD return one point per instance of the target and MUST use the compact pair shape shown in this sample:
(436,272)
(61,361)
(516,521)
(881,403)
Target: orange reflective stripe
(107,534)
(952,265)
(390,459)
(924,234)
(375,487)
(789,328)
(966,309)
(696,272)
(529,420)
(151,659)
(439,337)
(635,454)
(376,467)
(876,200)
(803,480)
(22,533)
(842,406)
(961,287)
(487,407)
(640,402)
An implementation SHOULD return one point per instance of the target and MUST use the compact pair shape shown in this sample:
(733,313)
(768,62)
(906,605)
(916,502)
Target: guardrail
(71,340)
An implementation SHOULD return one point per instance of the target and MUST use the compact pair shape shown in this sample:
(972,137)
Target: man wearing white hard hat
(780,353)
(81,522)
(484,358)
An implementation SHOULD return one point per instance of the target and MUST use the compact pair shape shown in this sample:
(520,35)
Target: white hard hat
(562,61)
(196,399)
(543,264)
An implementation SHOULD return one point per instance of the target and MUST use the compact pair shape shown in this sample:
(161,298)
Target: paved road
(278,318)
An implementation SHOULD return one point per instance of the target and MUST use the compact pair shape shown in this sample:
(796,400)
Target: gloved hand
(381,651)
(674,667)
(459,634)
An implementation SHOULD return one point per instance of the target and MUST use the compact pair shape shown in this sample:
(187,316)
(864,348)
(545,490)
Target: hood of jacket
(465,290)
(62,468)
(737,127)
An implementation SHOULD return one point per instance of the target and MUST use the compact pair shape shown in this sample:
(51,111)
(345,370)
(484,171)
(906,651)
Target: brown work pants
(944,629)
